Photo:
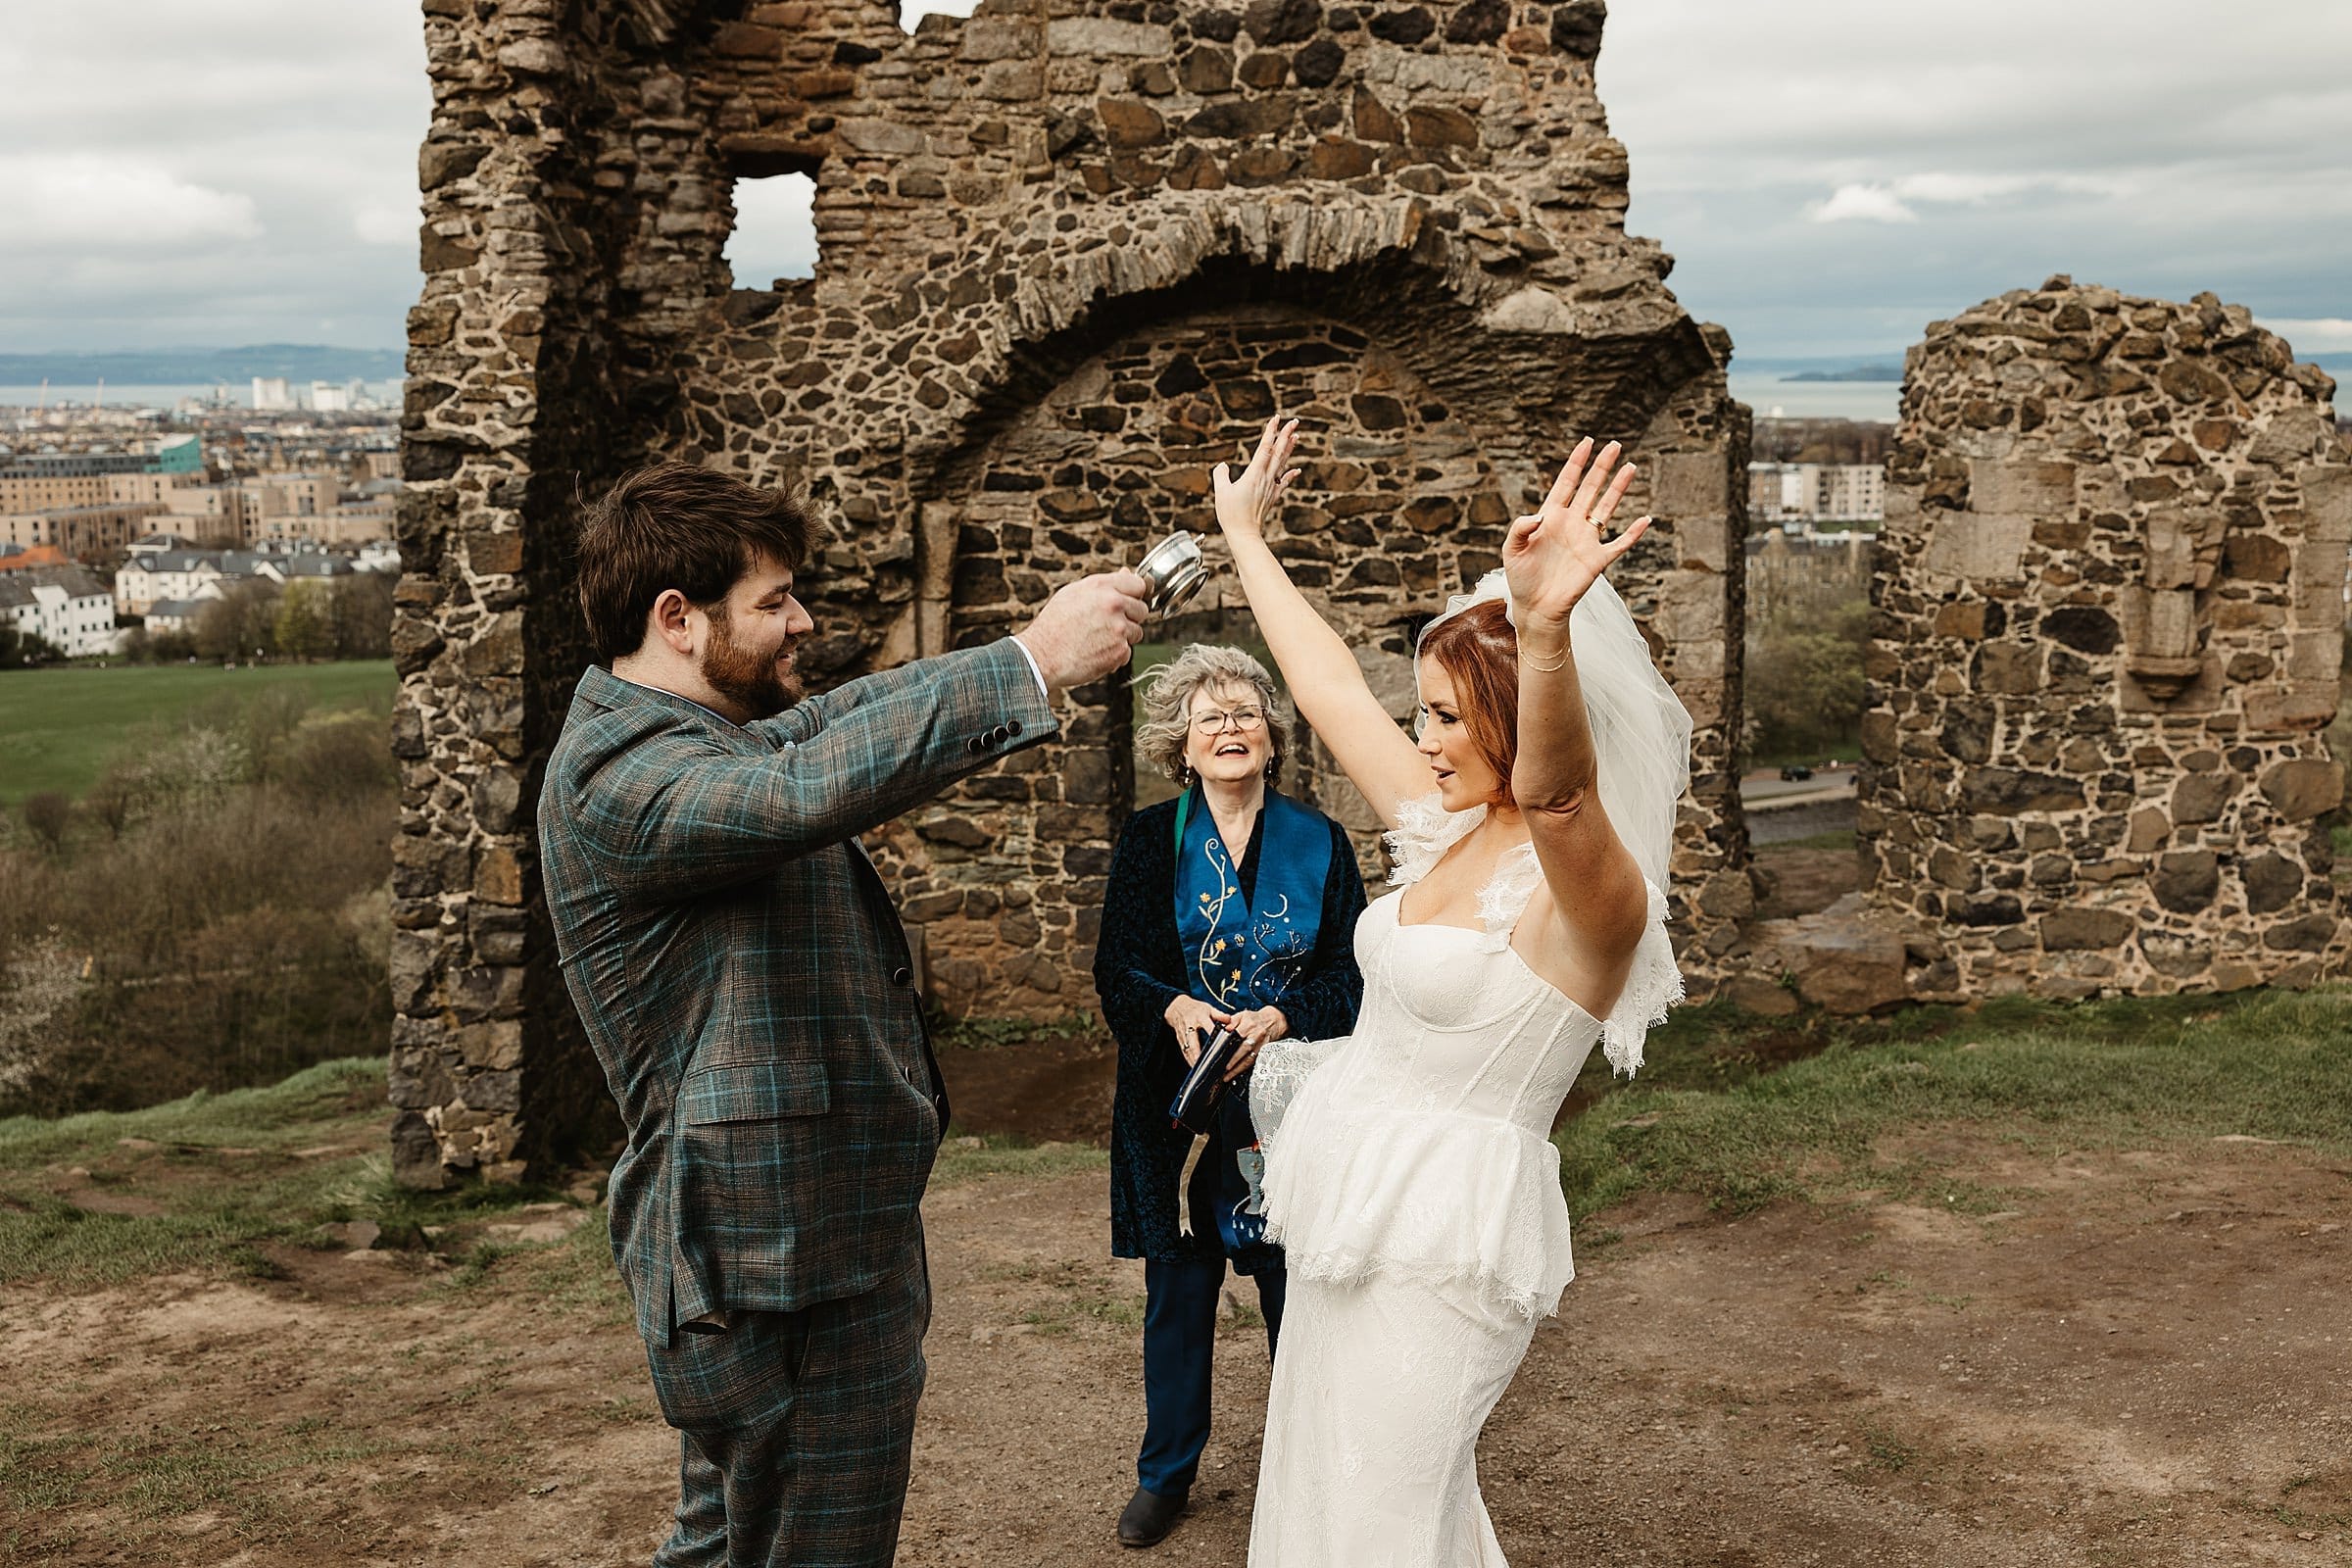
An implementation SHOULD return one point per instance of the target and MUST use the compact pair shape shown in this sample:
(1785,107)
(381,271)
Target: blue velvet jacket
(1139,969)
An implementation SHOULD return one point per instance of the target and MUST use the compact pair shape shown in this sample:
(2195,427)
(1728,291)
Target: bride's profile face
(1464,777)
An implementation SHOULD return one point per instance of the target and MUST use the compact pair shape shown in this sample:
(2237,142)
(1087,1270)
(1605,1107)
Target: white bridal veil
(1642,739)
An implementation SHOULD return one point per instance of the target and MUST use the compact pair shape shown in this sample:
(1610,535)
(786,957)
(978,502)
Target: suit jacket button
(900,975)
(1013,728)
(1002,735)
(978,743)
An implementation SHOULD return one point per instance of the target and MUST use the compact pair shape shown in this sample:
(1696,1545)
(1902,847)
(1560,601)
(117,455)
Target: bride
(1408,1175)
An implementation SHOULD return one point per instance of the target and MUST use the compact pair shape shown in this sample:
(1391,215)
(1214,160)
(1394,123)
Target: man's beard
(758,684)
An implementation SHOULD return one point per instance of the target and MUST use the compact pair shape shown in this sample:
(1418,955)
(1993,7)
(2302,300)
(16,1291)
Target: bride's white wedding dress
(1412,1184)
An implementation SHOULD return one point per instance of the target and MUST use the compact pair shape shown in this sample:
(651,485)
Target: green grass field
(211,1182)
(1713,1114)
(59,726)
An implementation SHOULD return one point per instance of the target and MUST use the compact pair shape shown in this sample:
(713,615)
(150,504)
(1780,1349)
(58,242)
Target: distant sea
(1774,398)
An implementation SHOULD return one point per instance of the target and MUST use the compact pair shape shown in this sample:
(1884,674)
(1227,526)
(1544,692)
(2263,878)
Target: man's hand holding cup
(1088,628)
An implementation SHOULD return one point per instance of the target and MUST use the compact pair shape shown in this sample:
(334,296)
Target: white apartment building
(179,614)
(1816,492)
(151,578)
(65,606)
(152,575)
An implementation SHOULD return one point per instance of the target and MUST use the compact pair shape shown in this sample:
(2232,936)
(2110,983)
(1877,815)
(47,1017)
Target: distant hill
(1859,373)
(296,362)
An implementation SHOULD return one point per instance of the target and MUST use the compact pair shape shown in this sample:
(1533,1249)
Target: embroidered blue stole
(1241,953)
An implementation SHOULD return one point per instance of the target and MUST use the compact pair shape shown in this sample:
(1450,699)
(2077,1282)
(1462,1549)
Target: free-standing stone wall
(1071,256)
(2107,634)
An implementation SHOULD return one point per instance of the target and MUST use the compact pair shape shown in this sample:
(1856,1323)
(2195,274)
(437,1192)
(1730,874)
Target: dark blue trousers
(1180,1325)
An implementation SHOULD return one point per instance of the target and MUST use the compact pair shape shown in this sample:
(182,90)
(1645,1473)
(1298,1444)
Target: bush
(23,649)
(49,814)
(339,759)
(231,927)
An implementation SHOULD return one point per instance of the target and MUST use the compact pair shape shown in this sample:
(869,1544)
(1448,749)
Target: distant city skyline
(1830,174)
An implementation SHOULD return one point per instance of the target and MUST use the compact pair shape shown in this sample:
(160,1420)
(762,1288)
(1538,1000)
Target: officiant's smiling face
(1237,750)
(1465,778)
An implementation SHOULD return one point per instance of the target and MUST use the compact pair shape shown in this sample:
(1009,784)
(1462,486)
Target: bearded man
(746,987)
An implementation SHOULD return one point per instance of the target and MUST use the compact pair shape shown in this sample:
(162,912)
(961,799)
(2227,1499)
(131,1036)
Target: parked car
(1796,773)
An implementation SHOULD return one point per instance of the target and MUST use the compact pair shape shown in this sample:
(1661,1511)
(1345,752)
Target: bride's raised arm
(1322,674)
(1551,558)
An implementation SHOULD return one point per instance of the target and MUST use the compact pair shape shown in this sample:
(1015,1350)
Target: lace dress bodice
(1468,1029)
(1418,1147)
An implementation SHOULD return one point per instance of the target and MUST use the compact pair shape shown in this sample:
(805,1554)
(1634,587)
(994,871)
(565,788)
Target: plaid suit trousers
(795,1430)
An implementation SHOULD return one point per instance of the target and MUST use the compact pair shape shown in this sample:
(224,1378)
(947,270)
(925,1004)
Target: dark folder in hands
(1194,1108)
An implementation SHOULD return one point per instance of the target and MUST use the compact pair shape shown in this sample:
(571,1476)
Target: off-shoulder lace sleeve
(1425,830)
(1654,986)
(1504,898)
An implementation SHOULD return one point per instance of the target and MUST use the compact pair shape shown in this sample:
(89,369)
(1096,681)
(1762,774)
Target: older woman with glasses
(1232,905)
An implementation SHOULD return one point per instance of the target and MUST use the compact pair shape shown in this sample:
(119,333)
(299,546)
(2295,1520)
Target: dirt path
(2142,1357)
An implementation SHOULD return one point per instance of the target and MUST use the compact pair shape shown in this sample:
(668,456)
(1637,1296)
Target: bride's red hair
(1480,651)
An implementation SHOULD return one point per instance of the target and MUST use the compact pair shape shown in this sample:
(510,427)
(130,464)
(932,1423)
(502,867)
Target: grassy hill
(58,726)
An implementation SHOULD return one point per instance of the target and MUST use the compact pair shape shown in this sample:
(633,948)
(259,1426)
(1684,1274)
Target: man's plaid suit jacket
(743,975)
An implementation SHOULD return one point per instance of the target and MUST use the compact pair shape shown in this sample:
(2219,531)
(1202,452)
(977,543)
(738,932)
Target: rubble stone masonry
(1071,255)
(2107,634)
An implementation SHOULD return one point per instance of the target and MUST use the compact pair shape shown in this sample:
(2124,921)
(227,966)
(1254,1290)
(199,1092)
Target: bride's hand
(1557,552)
(1257,1027)
(1244,499)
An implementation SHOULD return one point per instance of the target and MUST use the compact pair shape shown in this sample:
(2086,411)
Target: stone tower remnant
(1071,255)
(2107,634)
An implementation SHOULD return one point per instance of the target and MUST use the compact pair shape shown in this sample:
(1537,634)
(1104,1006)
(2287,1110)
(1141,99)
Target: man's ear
(669,621)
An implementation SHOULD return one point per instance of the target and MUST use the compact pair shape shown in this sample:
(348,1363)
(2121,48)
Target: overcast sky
(1830,174)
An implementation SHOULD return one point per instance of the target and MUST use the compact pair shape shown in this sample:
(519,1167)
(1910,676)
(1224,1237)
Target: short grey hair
(1168,695)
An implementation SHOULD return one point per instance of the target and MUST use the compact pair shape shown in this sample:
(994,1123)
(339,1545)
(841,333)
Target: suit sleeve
(671,813)
(1134,954)
(1326,1006)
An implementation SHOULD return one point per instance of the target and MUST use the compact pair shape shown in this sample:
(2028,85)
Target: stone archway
(1396,505)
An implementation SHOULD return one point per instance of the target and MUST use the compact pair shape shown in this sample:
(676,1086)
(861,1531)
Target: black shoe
(1148,1517)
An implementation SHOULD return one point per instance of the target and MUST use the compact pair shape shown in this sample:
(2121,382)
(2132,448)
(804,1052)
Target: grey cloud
(2157,145)
(2160,147)
(299,117)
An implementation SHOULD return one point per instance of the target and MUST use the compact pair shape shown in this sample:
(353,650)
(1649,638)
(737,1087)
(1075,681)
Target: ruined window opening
(912,11)
(774,241)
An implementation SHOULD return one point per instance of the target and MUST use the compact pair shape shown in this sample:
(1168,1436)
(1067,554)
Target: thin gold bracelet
(1558,663)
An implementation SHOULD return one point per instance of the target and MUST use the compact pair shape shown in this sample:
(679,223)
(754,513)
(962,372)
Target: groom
(746,987)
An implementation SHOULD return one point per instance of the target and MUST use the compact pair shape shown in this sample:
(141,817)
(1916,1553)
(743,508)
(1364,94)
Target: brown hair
(1481,652)
(674,525)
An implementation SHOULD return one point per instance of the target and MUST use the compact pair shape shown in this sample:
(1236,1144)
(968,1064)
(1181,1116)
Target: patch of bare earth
(2140,1358)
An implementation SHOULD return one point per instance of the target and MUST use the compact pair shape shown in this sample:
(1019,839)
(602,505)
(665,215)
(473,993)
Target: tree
(23,649)
(1804,687)
(363,615)
(304,627)
(241,623)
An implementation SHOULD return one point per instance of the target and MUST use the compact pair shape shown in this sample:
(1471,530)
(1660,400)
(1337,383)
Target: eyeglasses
(1242,720)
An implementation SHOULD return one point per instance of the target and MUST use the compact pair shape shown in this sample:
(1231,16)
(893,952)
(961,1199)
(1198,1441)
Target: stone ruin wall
(1071,255)
(2107,633)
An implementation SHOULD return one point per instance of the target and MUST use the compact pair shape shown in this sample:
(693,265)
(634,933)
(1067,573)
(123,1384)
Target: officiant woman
(1233,903)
